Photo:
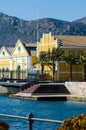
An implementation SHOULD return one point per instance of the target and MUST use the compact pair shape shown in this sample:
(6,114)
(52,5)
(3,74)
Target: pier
(12,87)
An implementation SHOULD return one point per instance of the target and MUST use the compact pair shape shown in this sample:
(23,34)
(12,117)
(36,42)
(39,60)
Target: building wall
(47,42)
(18,62)
(63,69)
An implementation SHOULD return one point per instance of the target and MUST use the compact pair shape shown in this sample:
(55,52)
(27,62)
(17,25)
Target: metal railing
(30,118)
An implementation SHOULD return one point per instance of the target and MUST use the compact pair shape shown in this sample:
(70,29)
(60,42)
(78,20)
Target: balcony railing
(30,118)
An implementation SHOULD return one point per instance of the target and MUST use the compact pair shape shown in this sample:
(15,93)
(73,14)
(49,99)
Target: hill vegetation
(12,29)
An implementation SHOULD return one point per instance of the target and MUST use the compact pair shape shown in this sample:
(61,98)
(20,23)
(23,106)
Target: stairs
(47,89)
(31,89)
(51,90)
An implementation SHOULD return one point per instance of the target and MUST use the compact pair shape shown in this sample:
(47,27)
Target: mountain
(13,28)
(82,20)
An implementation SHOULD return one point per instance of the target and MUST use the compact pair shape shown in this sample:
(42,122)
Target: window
(19,48)
(3,70)
(3,53)
(18,67)
(7,69)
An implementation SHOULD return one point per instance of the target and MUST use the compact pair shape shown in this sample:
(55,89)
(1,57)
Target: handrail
(30,118)
(13,116)
(46,120)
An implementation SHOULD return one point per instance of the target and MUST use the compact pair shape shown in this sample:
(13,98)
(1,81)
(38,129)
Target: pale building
(16,62)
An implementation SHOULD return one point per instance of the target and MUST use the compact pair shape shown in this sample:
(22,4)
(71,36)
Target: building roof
(10,49)
(31,50)
(31,45)
(71,40)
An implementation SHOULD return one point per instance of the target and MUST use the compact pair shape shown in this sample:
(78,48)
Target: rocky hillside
(12,29)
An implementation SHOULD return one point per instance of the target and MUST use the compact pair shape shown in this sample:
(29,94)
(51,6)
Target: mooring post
(30,121)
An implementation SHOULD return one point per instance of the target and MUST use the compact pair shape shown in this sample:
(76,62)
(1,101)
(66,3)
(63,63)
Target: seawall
(77,93)
(8,90)
(3,90)
(76,88)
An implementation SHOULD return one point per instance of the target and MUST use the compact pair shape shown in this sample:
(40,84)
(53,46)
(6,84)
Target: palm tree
(52,57)
(41,60)
(83,61)
(72,59)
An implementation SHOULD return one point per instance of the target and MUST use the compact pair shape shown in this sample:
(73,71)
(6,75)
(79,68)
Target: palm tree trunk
(53,75)
(53,70)
(84,72)
(70,72)
(42,71)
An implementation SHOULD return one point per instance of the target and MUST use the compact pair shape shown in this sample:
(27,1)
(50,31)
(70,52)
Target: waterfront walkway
(50,97)
(49,92)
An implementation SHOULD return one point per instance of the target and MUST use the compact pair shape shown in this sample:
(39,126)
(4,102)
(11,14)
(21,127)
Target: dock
(49,92)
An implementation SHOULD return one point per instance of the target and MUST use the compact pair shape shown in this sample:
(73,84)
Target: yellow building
(69,45)
(47,42)
(16,62)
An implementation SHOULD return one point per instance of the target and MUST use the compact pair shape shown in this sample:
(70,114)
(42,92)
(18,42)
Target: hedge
(74,123)
(3,125)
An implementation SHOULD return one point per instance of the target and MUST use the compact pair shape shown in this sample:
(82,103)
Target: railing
(30,118)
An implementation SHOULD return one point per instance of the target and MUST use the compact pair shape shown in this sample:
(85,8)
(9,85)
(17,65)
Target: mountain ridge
(13,28)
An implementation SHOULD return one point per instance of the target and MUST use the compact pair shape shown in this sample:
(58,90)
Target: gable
(4,53)
(19,49)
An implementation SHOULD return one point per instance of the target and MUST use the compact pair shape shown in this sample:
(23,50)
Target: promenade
(50,97)
(62,92)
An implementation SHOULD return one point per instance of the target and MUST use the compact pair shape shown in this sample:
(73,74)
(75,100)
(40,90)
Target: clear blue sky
(68,10)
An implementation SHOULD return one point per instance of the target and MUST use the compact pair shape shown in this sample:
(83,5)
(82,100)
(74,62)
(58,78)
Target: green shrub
(74,123)
(3,125)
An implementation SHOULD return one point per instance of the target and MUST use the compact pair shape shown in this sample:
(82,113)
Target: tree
(49,58)
(3,125)
(83,61)
(41,60)
(52,57)
(74,123)
(72,59)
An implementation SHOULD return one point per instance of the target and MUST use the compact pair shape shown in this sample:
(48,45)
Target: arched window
(18,67)
(19,48)
(3,70)
(3,53)
(7,72)
(7,69)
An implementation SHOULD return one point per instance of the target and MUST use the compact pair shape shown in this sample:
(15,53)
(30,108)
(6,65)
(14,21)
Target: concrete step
(31,89)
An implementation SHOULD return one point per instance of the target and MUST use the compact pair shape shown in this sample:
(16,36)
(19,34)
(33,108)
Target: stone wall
(76,88)
(8,90)
(3,90)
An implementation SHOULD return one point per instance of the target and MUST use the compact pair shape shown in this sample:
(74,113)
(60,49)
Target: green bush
(74,123)
(3,125)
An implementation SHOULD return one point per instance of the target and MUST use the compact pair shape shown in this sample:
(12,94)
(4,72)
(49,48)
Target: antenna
(37,34)
(37,30)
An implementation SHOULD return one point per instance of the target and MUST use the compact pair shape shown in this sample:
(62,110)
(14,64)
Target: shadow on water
(41,109)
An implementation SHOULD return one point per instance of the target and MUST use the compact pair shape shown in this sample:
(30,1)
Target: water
(41,109)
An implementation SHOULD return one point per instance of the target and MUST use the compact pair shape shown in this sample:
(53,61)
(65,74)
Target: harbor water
(55,110)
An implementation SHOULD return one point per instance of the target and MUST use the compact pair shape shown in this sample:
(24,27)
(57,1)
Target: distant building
(45,43)
(16,62)
(69,45)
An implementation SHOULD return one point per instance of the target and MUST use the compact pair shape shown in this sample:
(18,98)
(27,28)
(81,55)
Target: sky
(68,10)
